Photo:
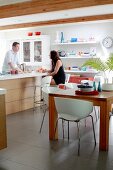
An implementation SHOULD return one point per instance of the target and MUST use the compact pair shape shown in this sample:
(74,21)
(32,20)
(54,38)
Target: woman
(57,71)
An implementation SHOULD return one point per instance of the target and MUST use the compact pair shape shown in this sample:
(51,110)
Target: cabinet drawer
(13,107)
(12,95)
(10,84)
(27,104)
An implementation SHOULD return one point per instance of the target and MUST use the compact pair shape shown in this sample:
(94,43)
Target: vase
(107,86)
(57,37)
(99,87)
(62,37)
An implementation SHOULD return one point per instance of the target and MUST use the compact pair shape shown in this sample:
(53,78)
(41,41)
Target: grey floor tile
(9,165)
(29,150)
(14,148)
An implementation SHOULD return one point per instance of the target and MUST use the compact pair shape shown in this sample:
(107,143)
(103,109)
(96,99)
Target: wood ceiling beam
(42,6)
(60,21)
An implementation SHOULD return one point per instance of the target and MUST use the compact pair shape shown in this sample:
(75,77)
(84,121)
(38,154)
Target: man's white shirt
(10,57)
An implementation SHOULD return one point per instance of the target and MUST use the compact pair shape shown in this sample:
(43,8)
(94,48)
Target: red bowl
(30,33)
(37,33)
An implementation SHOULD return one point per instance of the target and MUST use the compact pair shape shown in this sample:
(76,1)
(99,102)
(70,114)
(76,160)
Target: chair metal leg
(42,120)
(68,130)
(93,129)
(78,138)
(41,97)
(63,128)
(34,102)
(85,122)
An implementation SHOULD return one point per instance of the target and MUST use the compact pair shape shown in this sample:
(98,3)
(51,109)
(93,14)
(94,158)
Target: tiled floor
(29,150)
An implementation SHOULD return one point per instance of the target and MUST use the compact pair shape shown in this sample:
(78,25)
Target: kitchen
(78,30)
(98,30)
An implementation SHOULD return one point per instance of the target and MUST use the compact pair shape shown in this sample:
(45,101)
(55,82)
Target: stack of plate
(85,88)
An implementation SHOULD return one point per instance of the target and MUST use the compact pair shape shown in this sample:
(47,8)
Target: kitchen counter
(22,75)
(2,91)
(20,90)
(37,74)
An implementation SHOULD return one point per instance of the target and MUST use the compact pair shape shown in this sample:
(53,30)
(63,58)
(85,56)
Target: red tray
(86,93)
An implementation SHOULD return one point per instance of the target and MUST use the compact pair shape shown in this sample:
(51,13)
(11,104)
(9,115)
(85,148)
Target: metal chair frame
(58,103)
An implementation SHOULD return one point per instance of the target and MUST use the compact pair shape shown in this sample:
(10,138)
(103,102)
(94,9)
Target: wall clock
(107,42)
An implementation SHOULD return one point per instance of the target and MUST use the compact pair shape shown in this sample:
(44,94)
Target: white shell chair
(45,81)
(74,86)
(45,94)
(73,110)
(96,108)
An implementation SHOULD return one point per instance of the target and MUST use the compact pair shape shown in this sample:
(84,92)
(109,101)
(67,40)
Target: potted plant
(105,67)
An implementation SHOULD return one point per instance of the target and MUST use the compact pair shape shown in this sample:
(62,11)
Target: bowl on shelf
(30,33)
(37,33)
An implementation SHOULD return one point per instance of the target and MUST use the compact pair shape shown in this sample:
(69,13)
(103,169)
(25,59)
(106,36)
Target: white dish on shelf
(75,69)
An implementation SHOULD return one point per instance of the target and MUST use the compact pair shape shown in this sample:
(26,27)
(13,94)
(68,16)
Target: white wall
(80,30)
(2,48)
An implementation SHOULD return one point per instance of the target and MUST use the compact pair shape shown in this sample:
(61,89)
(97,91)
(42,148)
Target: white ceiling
(73,13)
(8,2)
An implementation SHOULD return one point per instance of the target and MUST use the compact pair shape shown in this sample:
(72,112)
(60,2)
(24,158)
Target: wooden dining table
(103,99)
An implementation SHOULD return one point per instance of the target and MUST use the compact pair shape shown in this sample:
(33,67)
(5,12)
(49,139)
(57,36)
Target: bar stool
(45,81)
(45,93)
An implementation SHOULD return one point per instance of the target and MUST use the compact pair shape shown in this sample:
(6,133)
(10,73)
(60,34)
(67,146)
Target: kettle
(23,67)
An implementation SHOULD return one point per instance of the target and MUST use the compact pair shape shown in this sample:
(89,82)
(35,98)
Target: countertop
(37,74)
(22,75)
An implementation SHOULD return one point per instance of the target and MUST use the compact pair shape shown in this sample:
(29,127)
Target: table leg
(52,119)
(104,125)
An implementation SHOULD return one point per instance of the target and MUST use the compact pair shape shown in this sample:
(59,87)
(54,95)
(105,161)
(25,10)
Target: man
(11,60)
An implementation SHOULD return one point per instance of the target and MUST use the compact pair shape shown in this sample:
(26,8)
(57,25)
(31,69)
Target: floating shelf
(77,43)
(77,57)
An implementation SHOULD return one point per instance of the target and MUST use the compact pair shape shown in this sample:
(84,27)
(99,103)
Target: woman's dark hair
(15,43)
(54,56)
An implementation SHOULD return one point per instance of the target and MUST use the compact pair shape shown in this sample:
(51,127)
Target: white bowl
(107,87)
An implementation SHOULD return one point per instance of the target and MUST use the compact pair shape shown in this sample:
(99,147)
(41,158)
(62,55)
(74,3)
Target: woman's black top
(59,78)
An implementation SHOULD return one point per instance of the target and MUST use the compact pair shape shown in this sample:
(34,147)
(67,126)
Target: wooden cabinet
(20,93)
(3,137)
